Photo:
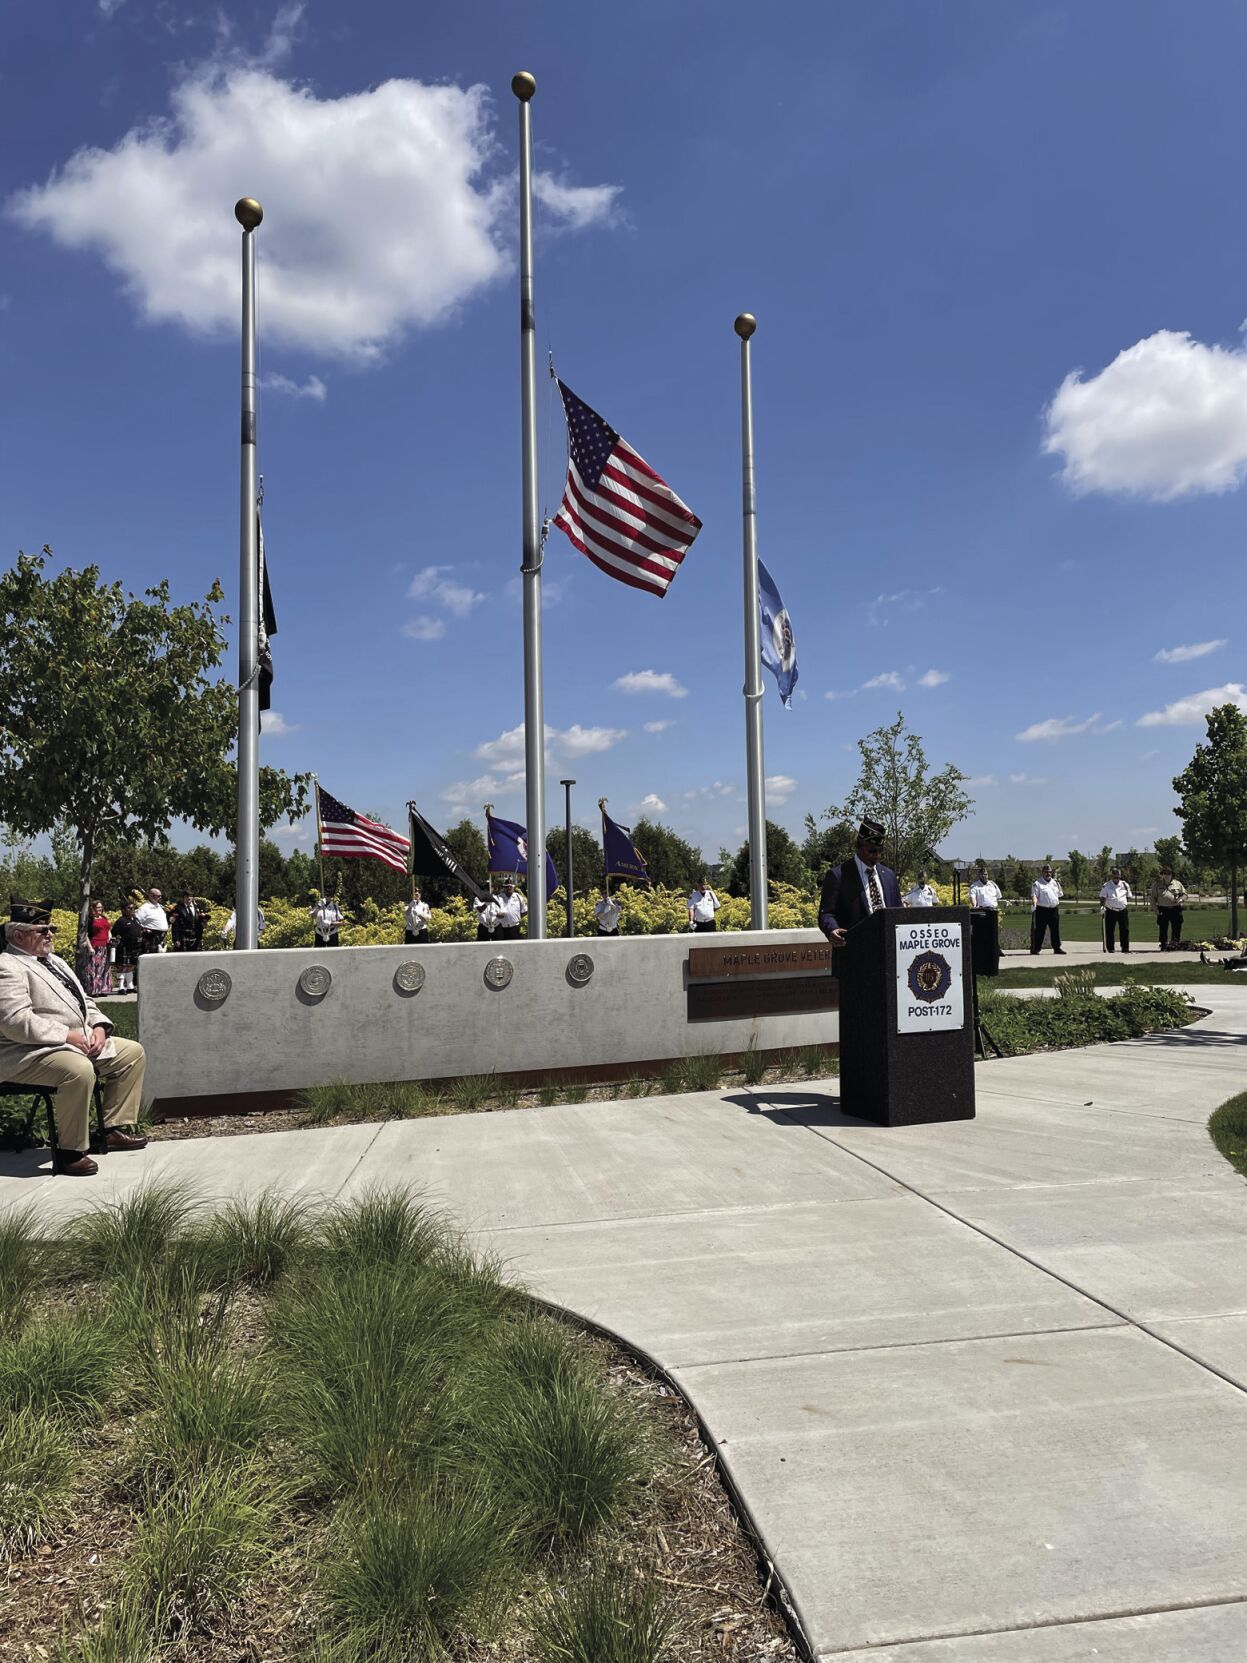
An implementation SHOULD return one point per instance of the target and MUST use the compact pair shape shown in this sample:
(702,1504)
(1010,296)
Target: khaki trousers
(72,1076)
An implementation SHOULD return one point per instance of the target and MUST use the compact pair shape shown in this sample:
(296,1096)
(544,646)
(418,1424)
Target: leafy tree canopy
(784,863)
(918,808)
(111,722)
(670,861)
(1212,792)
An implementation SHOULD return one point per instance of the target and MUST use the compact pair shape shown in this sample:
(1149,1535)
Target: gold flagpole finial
(248,212)
(745,325)
(602,802)
(523,85)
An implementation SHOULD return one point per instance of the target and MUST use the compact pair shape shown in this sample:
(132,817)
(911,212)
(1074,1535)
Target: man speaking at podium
(858,887)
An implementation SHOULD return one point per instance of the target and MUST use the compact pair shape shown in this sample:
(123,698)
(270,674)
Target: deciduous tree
(784,863)
(111,719)
(1212,789)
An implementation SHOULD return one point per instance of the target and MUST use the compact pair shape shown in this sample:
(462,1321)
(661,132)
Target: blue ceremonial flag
(779,649)
(508,851)
(623,858)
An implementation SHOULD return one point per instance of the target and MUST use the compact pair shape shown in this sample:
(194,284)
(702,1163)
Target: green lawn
(1083,923)
(124,1016)
(1228,1130)
(1147,972)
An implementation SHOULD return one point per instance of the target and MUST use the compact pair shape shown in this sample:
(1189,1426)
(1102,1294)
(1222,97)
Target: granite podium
(907,1017)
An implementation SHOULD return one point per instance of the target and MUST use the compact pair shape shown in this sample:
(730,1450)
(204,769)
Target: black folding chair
(43,1097)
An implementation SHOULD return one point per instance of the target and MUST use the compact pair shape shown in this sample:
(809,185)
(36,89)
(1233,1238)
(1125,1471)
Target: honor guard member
(920,894)
(984,891)
(703,903)
(416,916)
(127,935)
(231,925)
(187,920)
(511,909)
(326,921)
(154,921)
(607,913)
(1046,910)
(53,1034)
(486,917)
(1169,898)
(1115,899)
(857,887)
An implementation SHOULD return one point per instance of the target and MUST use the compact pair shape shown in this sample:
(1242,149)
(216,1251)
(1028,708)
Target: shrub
(606,1616)
(1228,1130)
(38,1470)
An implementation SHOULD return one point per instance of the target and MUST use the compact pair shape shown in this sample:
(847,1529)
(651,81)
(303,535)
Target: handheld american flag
(616,509)
(353,836)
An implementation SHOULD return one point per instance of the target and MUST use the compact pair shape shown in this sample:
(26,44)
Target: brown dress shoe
(117,1139)
(73,1164)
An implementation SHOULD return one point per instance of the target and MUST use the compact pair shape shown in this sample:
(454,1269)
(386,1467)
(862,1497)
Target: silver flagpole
(745,325)
(571,921)
(248,213)
(524,86)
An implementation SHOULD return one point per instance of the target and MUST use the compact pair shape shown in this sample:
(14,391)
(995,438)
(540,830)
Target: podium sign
(929,986)
(906,1025)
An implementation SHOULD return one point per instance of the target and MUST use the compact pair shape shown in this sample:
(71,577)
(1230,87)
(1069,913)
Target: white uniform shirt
(607,912)
(416,916)
(921,895)
(1046,892)
(985,893)
(487,914)
(152,916)
(702,905)
(1115,895)
(326,916)
(510,909)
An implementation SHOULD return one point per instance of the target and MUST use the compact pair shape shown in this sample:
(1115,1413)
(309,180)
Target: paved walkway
(983,1386)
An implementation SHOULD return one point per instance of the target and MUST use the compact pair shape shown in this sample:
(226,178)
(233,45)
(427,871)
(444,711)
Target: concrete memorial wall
(242,1023)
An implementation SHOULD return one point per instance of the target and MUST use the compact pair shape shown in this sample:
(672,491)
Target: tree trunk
(87,836)
(1234,899)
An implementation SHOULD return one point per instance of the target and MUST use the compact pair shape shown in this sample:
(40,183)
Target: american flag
(353,836)
(616,509)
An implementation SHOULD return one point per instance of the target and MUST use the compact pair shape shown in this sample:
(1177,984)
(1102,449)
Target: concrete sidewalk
(983,1385)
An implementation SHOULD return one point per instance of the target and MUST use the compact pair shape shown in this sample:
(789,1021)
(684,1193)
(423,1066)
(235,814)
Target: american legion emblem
(929,976)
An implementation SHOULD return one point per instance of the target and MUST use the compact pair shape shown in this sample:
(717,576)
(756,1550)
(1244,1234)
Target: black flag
(268,622)
(430,857)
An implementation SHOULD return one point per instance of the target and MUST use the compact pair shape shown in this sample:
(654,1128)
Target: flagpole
(524,86)
(248,213)
(571,922)
(320,835)
(745,325)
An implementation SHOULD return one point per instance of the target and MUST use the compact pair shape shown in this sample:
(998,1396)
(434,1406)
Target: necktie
(876,894)
(70,984)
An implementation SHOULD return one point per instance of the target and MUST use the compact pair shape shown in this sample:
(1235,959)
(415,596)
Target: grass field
(1147,972)
(1083,923)
(124,1016)
(1228,1130)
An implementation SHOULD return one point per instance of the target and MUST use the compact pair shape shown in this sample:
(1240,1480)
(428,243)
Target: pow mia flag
(430,856)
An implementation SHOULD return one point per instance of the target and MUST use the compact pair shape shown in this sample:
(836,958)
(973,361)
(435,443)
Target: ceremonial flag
(268,622)
(622,857)
(779,649)
(508,851)
(616,509)
(353,836)
(430,856)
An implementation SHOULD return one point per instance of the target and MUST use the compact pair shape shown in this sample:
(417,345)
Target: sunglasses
(40,929)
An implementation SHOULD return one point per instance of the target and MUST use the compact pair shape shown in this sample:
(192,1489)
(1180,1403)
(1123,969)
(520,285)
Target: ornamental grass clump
(23,1257)
(126,1237)
(38,1473)
(607,1615)
(253,1242)
(64,1366)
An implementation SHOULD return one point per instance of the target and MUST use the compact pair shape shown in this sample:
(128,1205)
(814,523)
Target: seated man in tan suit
(52,1034)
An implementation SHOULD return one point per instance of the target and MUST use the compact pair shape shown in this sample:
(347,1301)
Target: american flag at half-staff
(616,509)
(352,836)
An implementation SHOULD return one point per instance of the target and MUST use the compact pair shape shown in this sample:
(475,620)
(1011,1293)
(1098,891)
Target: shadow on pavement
(797,1108)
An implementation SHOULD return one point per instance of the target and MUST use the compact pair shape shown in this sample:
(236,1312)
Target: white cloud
(888,678)
(779,787)
(933,678)
(425,628)
(1056,727)
(900,600)
(344,179)
(434,583)
(1148,755)
(1184,655)
(298,833)
(1027,779)
(568,743)
(283,34)
(981,779)
(275,725)
(313,387)
(1190,711)
(659,727)
(1168,417)
(653,803)
(650,681)
(483,789)
(718,789)
(1109,727)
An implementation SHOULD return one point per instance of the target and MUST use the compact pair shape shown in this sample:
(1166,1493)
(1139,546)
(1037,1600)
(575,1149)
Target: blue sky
(1000,386)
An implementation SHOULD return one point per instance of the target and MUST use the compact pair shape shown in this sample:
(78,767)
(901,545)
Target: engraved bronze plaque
(779,958)
(761,996)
